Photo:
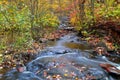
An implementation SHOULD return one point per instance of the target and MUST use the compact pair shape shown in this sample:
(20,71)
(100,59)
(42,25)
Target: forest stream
(69,58)
(59,39)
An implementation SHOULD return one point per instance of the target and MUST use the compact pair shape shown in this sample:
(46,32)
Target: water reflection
(76,46)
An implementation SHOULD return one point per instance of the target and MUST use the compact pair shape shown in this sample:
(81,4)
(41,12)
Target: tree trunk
(81,10)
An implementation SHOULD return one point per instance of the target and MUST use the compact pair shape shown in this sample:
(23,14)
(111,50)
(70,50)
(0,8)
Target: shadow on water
(51,43)
(115,59)
(76,46)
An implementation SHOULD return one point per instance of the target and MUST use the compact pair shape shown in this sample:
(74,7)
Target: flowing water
(69,58)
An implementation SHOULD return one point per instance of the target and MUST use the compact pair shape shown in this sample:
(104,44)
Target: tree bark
(81,10)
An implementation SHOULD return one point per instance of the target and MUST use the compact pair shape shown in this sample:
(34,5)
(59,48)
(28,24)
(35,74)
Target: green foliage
(23,41)
(49,20)
(1,57)
(113,13)
(2,46)
(85,33)
(15,19)
(78,26)
(117,46)
(109,3)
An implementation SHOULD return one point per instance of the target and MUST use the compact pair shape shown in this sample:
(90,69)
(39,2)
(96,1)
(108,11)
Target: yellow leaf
(65,74)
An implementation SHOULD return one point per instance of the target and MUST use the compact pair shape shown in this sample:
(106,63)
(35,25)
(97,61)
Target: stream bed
(69,58)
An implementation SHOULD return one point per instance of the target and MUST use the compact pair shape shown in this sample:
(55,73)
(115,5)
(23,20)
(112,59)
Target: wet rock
(101,44)
(14,75)
(54,51)
(42,40)
(1,76)
(20,67)
(60,50)
(68,66)
(101,51)
(35,67)
(118,52)
(96,73)
(111,68)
